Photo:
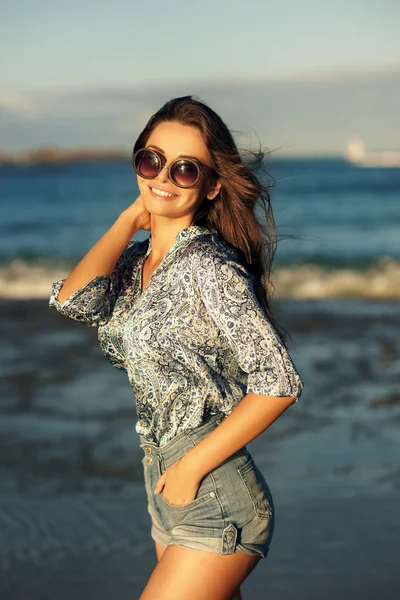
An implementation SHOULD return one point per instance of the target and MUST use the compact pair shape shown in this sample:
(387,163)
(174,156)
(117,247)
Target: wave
(380,281)
(21,279)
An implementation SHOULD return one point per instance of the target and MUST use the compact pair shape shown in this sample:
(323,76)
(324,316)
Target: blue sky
(90,73)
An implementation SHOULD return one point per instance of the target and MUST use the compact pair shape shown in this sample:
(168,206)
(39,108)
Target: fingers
(160,484)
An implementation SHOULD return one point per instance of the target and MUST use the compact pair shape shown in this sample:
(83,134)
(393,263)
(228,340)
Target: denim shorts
(233,509)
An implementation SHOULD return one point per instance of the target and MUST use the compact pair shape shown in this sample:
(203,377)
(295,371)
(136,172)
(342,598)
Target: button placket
(148,459)
(152,457)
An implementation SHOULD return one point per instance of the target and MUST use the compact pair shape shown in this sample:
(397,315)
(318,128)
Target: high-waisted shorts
(233,509)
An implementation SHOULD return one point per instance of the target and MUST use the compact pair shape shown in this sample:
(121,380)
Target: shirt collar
(186,234)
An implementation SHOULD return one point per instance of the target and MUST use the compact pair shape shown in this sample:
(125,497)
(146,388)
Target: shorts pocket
(193,503)
(205,493)
(257,489)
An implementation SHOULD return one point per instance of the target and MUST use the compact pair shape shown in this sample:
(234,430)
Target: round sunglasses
(183,172)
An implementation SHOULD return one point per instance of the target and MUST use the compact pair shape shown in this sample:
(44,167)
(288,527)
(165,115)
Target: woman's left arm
(249,418)
(273,383)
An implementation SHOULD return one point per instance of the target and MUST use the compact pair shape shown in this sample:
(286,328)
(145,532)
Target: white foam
(379,281)
(21,280)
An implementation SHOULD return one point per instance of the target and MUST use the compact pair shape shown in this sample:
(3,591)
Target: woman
(185,313)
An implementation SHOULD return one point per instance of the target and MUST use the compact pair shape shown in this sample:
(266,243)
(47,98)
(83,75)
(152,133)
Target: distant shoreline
(50,155)
(54,156)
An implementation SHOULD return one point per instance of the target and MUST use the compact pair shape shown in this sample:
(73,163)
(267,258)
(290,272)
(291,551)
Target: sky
(303,76)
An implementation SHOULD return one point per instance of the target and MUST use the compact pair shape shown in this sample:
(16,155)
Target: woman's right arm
(88,294)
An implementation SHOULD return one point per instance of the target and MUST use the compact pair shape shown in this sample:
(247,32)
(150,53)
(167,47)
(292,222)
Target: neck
(163,235)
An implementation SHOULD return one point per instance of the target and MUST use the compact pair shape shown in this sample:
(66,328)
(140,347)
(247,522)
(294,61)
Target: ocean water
(339,225)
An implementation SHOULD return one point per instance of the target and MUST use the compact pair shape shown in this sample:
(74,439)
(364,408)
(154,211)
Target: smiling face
(174,140)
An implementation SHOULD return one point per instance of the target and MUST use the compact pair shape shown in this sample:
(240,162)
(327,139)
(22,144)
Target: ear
(215,189)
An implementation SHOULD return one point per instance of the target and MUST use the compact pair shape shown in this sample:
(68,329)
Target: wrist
(129,221)
(192,465)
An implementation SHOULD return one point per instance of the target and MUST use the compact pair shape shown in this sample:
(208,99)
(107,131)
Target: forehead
(175,139)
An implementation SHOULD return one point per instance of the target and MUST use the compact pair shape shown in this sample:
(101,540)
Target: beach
(73,517)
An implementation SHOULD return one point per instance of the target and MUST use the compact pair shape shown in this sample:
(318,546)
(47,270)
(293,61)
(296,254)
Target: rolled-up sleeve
(93,303)
(227,290)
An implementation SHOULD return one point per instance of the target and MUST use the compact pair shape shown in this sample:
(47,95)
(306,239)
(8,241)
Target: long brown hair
(233,213)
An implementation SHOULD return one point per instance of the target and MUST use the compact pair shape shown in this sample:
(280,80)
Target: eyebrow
(179,155)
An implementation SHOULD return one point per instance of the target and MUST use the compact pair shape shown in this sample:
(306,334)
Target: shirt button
(148,460)
(212,494)
(147,450)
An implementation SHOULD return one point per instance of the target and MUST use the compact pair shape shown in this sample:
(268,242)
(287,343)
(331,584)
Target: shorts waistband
(181,443)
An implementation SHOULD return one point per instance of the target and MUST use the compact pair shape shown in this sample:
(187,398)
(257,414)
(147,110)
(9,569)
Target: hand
(178,483)
(138,214)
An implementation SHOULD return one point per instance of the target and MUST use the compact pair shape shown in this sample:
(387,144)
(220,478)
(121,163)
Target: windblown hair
(233,212)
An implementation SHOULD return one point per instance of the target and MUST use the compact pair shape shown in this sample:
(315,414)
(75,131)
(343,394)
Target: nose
(163,175)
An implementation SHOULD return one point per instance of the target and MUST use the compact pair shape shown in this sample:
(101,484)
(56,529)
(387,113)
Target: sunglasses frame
(201,169)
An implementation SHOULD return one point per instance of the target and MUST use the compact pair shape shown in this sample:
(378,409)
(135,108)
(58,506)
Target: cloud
(18,104)
(312,114)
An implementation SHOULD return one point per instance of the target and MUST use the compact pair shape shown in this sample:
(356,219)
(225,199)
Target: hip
(235,491)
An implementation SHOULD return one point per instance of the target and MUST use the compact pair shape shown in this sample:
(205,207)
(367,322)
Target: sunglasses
(183,172)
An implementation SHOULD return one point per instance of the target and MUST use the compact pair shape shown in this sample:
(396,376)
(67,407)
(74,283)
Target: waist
(181,443)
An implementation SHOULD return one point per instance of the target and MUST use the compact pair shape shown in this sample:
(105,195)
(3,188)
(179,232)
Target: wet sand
(73,519)
(81,546)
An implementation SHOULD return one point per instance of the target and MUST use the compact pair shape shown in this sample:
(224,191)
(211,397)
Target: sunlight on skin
(171,215)
(160,551)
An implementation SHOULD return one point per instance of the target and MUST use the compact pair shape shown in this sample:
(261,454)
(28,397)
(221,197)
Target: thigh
(184,573)
(160,551)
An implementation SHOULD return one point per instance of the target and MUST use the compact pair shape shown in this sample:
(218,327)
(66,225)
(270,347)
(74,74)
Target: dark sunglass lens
(147,164)
(184,173)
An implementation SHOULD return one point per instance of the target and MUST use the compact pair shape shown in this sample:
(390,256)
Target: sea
(338,224)
(73,514)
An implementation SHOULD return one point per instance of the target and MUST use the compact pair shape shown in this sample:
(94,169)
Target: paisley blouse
(194,342)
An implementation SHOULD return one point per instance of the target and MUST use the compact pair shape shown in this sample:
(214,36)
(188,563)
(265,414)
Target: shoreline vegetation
(52,155)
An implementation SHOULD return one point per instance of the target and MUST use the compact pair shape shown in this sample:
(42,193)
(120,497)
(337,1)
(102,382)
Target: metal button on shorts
(233,510)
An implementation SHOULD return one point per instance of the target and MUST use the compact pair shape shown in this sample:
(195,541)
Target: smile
(161,193)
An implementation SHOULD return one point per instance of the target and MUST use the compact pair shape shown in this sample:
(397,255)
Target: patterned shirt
(194,342)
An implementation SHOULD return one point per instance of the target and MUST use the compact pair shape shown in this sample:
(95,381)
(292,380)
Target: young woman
(185,313)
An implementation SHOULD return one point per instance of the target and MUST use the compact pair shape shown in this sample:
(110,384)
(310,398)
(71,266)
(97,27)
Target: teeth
(161,193)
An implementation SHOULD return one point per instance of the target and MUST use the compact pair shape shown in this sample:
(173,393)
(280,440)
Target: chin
(159,209)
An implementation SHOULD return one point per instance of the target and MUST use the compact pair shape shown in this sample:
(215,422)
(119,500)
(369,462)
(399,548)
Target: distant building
(357,155)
